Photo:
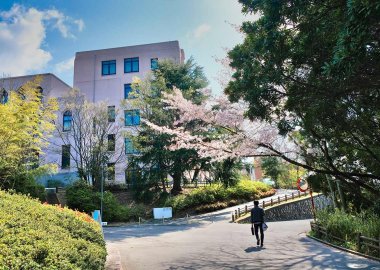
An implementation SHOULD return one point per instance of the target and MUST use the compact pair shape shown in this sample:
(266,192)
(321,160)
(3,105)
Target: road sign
(302,185)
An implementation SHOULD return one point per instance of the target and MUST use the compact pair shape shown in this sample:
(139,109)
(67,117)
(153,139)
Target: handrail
(360,239)
(284,198)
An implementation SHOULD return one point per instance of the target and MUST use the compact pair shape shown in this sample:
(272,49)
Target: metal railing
(241,211)
(363,243)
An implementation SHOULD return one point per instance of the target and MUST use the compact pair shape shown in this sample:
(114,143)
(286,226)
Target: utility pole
(101,190)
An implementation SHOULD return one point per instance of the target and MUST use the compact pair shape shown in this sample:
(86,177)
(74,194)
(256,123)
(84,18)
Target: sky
(43,36)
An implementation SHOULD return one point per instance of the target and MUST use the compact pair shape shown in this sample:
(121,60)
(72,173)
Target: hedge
(39,236)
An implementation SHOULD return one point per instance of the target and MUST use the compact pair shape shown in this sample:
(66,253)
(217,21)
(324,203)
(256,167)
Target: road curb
(344,249)
(113,258)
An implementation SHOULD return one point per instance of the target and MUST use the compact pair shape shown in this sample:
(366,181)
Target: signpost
(163,213)
(303,186)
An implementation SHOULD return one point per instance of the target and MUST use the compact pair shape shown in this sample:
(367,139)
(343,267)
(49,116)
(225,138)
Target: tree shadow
(310,255)
(113,234)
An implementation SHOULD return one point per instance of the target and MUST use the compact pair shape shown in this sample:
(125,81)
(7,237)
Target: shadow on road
(307,255)
(253,249)
(112,234)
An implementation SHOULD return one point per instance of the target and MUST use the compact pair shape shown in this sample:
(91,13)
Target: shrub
(214,196)
(81,196)
(53,183)
(25,183)
(115,187)
(347,226)
(37,236)
(210,207)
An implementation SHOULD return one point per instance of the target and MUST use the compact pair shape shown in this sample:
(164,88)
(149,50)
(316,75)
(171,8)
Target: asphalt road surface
(211,242)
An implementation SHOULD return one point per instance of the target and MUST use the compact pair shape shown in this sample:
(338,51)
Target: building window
(111,171)
(154,63)
(3,96)
(109,67)
(111,142)
(127,90)
(65,156)
(131,65)
(132,117)
(111,114)
(67,120)
(129,149)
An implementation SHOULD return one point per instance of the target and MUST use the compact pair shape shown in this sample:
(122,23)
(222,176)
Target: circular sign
(302,185)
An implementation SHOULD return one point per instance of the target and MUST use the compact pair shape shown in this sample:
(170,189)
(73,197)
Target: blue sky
(43,36)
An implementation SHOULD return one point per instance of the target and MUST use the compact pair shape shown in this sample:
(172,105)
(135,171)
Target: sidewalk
(113,258)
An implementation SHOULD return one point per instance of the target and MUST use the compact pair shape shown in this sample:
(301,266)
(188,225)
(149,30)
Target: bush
(25,183)
(53,183)
(115,187)
(347,226)
(81,196)
(214,196)
(37,236)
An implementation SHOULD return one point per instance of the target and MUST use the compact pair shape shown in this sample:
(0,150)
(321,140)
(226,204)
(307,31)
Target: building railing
(241,211)
(363,243)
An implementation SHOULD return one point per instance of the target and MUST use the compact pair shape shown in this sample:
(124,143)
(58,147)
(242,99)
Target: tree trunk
(341,195)
(177,177)
(332,191)
(195,176)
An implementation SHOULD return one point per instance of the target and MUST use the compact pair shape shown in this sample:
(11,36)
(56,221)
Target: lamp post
(101,189)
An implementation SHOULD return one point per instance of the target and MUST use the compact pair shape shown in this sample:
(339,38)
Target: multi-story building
(106,75)
(102,75)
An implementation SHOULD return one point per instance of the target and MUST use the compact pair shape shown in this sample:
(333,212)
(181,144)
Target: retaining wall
(300,209)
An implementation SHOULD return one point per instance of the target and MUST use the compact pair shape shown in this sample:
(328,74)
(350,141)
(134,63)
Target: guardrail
(361,241)
(273,201)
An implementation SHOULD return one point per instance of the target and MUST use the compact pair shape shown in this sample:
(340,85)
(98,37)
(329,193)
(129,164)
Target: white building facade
(106,75)
(102,76)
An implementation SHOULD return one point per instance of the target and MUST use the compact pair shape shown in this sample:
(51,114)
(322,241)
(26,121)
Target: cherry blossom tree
(219,129)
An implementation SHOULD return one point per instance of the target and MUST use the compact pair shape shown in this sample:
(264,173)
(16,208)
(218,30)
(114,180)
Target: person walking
(257,220)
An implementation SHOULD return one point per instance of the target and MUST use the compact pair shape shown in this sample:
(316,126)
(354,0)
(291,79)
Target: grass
(347,226)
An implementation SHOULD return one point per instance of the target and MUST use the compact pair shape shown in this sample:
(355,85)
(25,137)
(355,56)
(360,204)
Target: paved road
(211,242)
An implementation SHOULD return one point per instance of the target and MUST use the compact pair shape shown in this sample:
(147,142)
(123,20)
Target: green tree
(157,160)
(313,69)
(273,168)
(26,121)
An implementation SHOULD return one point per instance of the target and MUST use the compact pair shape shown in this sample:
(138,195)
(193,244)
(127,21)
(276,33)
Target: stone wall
(300,209)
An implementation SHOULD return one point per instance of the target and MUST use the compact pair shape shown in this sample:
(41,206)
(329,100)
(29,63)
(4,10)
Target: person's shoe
(261,245)
(258,242)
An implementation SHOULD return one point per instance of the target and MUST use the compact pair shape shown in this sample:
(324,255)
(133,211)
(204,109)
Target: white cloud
(201,30)
(64,66)
(80,24)
(22,33)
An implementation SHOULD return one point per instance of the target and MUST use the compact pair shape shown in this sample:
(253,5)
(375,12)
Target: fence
(273,201)
(363,243)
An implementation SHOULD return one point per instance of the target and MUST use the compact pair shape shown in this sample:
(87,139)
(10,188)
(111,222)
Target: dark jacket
(257,214)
